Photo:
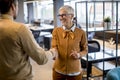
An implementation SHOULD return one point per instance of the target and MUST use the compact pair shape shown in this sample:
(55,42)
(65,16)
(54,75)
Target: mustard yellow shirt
(64,63)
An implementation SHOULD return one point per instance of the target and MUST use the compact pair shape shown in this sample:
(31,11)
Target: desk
(99,57)
(43,27)
(108,35)
(95,29)
(41,30)
(36,29)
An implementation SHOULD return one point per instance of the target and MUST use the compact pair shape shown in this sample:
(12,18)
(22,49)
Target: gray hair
(68,9)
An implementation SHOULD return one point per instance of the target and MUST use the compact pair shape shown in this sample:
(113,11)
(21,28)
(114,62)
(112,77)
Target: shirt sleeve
(83,44)
(54,38)
(31,47)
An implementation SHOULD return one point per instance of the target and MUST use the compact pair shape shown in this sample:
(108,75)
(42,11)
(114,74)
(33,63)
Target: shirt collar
(72,28)
(6,16)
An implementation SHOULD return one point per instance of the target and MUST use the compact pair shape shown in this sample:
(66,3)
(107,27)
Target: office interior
(103,37)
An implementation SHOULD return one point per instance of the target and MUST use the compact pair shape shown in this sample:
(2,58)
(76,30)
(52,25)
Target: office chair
(113,74)
(93,46)
(36,35)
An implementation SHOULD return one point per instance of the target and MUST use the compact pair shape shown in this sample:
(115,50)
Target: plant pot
(107,25)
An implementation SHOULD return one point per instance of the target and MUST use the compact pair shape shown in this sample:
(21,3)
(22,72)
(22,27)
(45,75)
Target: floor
(42,72)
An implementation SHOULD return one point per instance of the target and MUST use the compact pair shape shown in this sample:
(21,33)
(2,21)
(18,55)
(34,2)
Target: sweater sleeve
(31,47)
(54,38)
(83,44)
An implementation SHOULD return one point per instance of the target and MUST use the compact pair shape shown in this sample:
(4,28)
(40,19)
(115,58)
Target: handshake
(54,53)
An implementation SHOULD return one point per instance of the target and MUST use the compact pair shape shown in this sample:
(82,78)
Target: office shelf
(90,15)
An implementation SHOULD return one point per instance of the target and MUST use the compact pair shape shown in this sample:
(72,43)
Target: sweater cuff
(50,55)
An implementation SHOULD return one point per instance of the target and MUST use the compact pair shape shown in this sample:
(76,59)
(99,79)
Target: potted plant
(107,23)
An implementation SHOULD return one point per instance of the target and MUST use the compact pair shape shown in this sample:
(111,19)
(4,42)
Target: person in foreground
(71,44)
(17,44)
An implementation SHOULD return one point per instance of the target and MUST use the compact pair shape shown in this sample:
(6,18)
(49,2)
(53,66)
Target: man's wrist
(52,53)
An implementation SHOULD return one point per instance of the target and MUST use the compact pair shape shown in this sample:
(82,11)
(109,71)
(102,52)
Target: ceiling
(37,0)
(42,1)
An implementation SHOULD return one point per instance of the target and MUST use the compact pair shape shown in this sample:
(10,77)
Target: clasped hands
(54,52)
(74,54)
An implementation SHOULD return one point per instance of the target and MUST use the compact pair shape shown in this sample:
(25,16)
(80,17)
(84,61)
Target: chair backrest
(36,34)
(93,46)
(113,74)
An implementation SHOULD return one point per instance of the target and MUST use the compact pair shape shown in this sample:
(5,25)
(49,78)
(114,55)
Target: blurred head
(66,15)
(9,7)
